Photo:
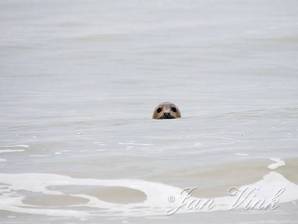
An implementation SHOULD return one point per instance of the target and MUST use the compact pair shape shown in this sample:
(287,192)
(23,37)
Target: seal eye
(174,109)
(159,110)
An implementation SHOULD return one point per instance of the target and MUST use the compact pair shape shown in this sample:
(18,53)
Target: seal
(166,110)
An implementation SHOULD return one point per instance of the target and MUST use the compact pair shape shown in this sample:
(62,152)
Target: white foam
(11,150)
(14,146)
(39,183)
(241,154)
(157,195)
(134,144)
(99,143)
(277,163)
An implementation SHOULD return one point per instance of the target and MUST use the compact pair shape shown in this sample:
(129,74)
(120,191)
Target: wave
(60,195)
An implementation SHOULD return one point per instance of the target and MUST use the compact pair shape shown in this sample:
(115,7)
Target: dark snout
(167,116)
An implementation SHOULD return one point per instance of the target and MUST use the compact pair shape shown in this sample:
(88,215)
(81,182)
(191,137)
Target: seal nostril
(167,114)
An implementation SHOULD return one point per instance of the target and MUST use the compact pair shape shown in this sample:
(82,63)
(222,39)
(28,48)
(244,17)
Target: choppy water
(79,81)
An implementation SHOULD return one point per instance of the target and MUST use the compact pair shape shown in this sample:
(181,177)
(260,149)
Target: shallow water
(79,81)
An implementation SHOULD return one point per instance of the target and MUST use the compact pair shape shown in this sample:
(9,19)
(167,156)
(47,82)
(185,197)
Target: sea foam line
(13,146)
(156,202)
(11,150)
(277,163)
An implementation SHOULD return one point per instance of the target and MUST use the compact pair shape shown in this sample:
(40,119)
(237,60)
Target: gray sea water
(78,84)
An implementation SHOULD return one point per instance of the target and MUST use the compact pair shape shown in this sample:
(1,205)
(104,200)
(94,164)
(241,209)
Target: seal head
(166,110)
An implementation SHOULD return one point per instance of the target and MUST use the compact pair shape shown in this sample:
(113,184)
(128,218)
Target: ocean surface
(78,84)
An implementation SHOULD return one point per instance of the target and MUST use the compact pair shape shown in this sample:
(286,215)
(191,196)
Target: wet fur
(166,111)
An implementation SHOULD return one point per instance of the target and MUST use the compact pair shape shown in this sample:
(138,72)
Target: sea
(79,81)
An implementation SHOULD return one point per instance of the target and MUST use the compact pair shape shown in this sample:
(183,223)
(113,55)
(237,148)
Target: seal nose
(167,115)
